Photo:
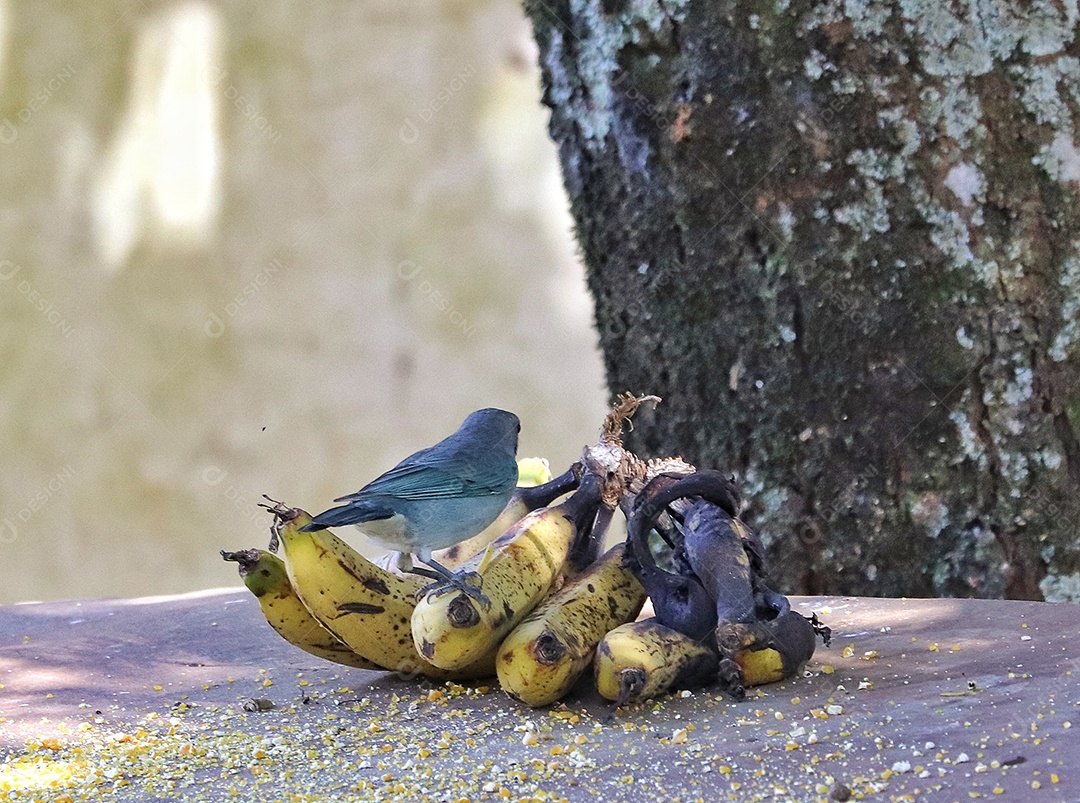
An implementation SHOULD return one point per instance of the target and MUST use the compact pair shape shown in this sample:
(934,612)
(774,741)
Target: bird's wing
(420,480)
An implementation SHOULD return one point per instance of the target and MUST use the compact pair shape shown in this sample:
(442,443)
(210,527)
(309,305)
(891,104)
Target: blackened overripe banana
(780,650)
(755,629)
(679,601)
(717,556)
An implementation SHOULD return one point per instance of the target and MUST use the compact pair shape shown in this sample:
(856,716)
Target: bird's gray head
(495,427)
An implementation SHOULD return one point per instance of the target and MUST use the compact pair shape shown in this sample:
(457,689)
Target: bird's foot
(468,583)
(446,582)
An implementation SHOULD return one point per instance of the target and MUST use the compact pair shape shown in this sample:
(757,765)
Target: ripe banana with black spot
(516,572)
(639,660)
(544,655)
(366,607)
(645,659)
(265,576)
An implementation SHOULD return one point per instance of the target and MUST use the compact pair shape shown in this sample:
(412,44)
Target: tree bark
(842,241)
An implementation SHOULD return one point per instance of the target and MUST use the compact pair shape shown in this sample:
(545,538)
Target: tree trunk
(842,241)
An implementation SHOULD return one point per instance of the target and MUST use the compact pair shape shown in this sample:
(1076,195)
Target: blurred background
(264,247)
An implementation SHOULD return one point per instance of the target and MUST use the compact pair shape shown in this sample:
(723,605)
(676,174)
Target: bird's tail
(352,513)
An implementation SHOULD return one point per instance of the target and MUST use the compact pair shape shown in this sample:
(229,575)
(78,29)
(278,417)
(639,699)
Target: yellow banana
(544,655)
(366,607)
(516,572)
(533,471)
(644,659)
(265,576)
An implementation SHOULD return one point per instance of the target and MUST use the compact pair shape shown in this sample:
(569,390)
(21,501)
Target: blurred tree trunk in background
(842,242)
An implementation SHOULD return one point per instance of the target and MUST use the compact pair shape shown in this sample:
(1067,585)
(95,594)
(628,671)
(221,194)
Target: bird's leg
(446,580)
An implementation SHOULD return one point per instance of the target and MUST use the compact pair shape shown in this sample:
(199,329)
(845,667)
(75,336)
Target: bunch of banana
(365,606)
(356,613)
(265,576)
(516,571)
(549,607)
(363,603)
(544,655)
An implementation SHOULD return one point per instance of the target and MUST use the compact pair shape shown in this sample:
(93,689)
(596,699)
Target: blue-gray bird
(439,496)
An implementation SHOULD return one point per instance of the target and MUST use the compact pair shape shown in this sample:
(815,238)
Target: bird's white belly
(391,533)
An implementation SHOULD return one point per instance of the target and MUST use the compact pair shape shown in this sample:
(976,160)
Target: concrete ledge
(140,700)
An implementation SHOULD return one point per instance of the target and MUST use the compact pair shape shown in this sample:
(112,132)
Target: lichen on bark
(842,241)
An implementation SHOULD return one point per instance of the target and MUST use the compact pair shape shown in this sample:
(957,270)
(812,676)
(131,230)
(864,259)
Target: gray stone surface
(140,700)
